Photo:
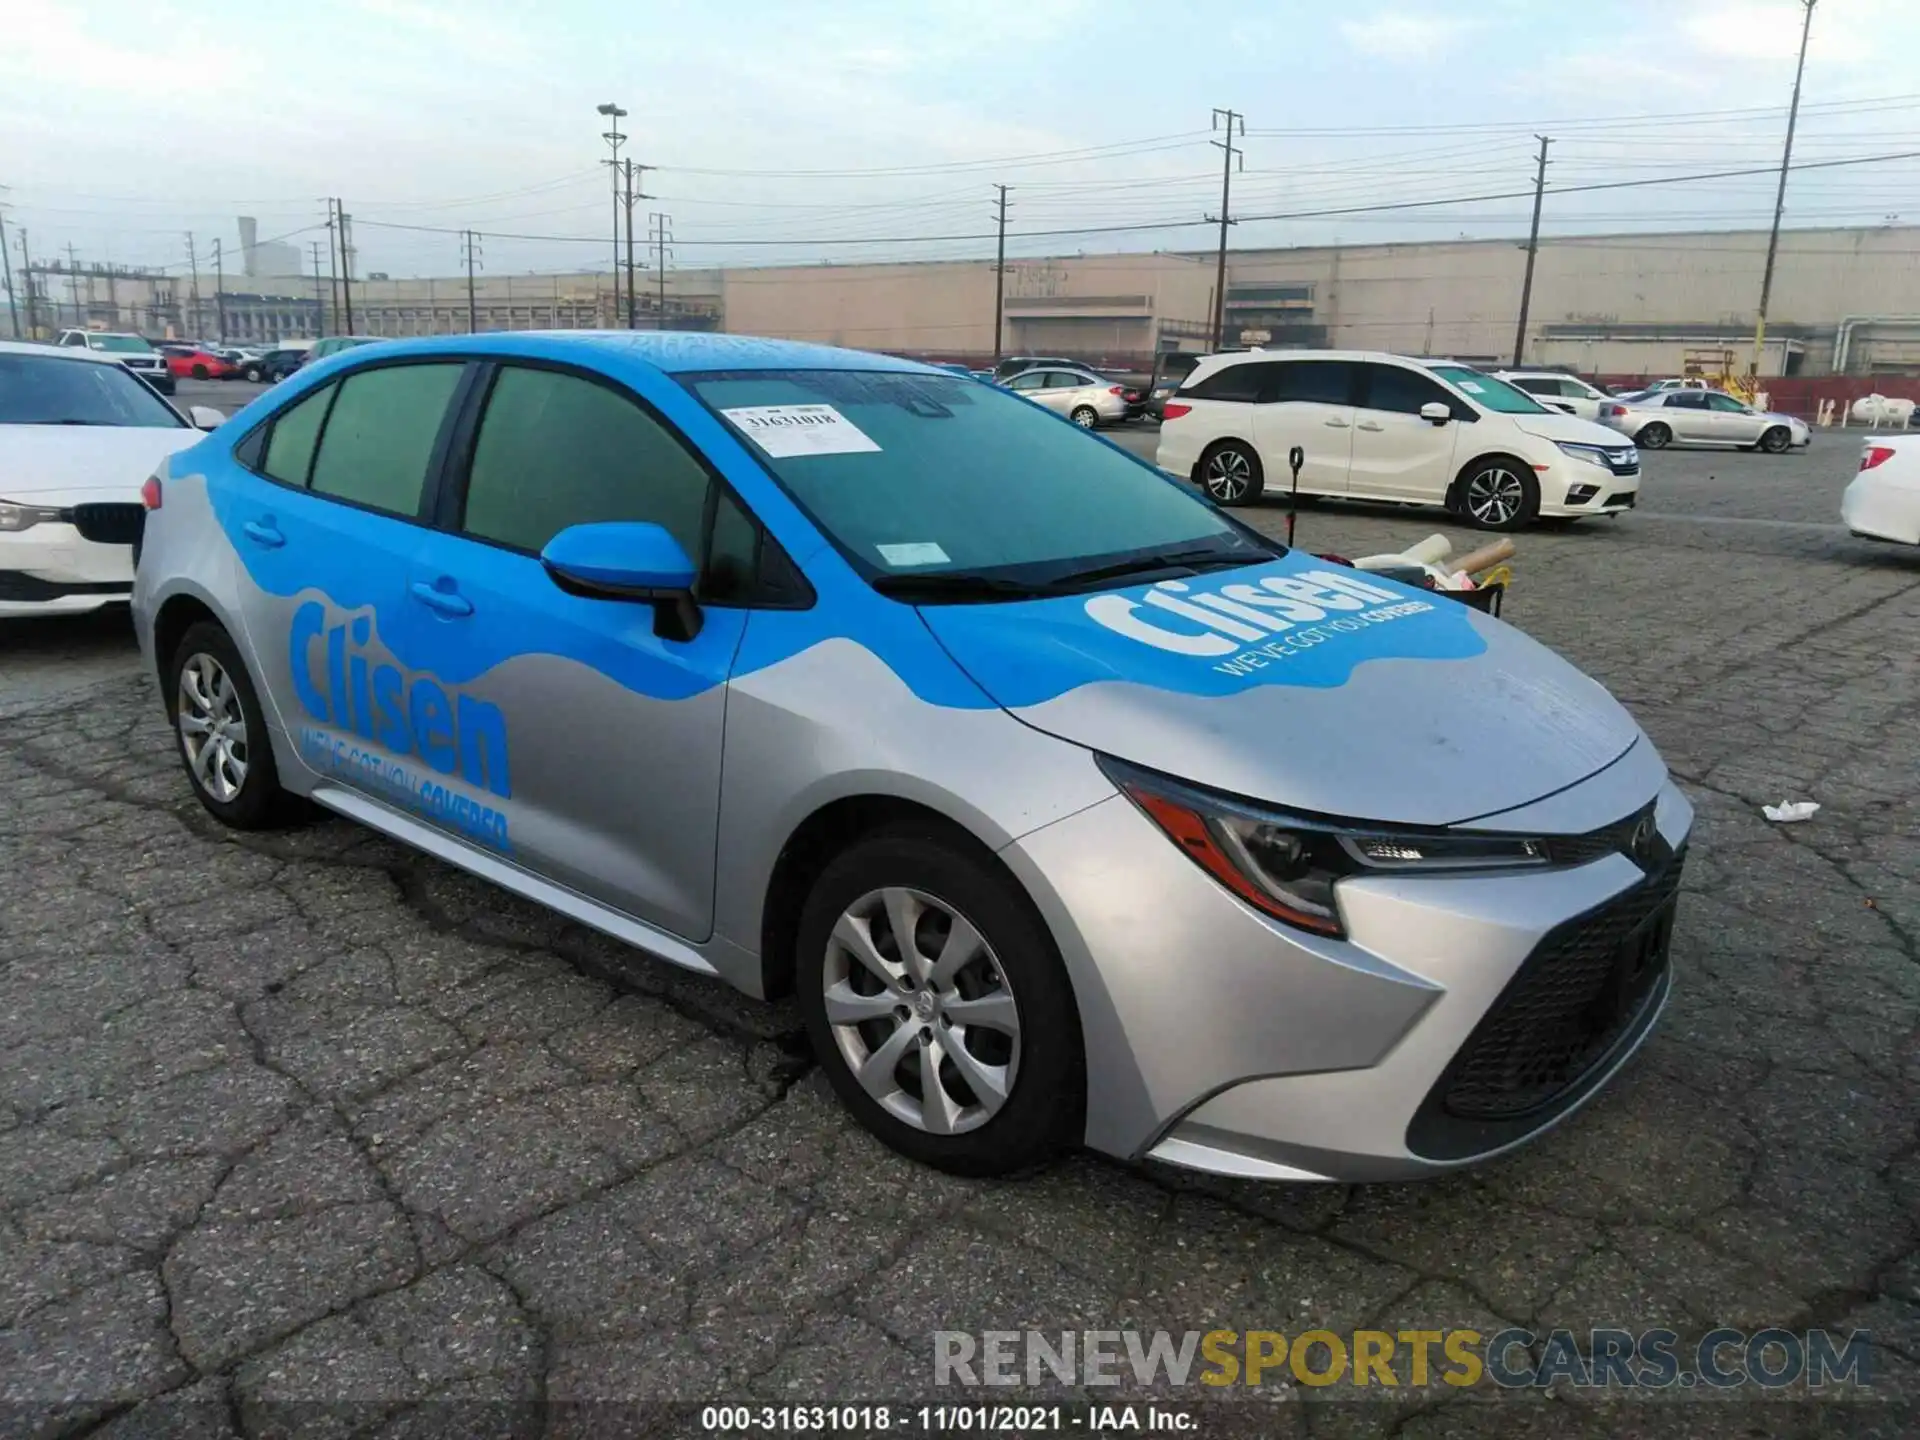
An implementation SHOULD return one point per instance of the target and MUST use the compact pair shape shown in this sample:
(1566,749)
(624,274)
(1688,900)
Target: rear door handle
(447,602)
(1337,423)
(1369,425)
(261,532)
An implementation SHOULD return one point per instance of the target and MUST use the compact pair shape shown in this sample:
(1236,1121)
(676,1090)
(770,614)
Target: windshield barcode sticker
(787,430)
(923,552)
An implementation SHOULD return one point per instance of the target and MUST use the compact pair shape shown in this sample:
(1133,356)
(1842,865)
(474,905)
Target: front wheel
(1499,494)
(1085,416)
(1654,437)
(253,375)
(217,719)
(938,1007)
(199,372)
(1231,473)
(1776,440)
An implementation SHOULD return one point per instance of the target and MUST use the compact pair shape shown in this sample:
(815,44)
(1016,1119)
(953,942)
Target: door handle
(1337,423)
(448,602)
(261,532)
(1369,425)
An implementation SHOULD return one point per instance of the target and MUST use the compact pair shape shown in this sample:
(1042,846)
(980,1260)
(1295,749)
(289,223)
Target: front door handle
(1369,425)
(448,602)
(261,532)
(1337,422)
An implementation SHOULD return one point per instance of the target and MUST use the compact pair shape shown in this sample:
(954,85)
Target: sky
(786,131)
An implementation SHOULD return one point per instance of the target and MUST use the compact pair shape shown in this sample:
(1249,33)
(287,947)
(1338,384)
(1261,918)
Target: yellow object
(1498,575)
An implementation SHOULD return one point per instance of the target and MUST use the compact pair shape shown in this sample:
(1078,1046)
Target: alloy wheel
(1495,495)
(1085,418)
(1228,475)
(921,1011)
(213,727)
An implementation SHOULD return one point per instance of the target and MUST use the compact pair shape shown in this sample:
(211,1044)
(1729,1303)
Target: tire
(1654,437)
(253,375)
(199,372)
(1030,1045)
(1498,493)
(242,789)
(1086,417)
(1230,472)
(1777,441)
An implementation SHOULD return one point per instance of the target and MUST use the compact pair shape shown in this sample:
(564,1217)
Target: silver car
(1080,395)
(1658,418)
(1071,810)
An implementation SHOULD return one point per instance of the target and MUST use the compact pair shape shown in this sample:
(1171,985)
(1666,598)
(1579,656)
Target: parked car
(78,435)
(131,351)
(334,344)
(1685,416)
(276,364)
(1027,788)
(1568,394)
(1014,364)
(1882,501)
(1083,397)
(1169,369)
(191,362)
(1384,427)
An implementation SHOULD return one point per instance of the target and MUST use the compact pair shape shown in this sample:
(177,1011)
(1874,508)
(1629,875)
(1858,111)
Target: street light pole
(1780,197)
(615,139)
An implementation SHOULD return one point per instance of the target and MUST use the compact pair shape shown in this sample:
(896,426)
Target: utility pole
(26,269)
(1780,196)
(615,139)
(1000,272)
(73,288)
(219,296)
(193,295)
(319,300)
(346,269)
(6,266)
(1227,121)
(1533,247)
(660,233)
(635,174)
(473,258)
(333,263)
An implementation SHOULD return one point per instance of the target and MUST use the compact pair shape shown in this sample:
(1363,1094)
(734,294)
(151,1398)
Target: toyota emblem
(1640,845)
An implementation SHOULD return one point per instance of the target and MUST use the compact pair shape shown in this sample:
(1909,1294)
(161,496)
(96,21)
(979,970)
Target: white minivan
(1384,427)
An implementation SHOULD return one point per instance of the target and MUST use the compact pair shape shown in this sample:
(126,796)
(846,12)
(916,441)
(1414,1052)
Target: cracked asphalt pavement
(305,1133)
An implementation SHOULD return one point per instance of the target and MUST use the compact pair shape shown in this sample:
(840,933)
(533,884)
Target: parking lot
(307,1117)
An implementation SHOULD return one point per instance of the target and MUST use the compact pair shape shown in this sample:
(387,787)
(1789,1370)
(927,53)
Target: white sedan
(1882,502)
(79,435)
(1688,416)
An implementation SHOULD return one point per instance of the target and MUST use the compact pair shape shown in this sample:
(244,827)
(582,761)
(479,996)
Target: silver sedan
(1658,418)
(1083,398)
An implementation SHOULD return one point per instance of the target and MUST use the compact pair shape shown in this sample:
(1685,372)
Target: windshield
(121,344)
(46,390)
(1487,392)
(932,475)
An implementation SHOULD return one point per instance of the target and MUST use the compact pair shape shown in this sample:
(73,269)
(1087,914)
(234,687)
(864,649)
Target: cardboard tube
(1477,560)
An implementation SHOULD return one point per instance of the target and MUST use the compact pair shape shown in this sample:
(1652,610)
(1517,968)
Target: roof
(673,351)
(56,352)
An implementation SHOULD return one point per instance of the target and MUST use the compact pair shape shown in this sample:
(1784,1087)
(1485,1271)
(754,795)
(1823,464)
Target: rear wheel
(1776,440)
(1085,416)
(224,745)
(1654,437)
(199,372)
(937,1005)
(1230,472)
(1499,494)
(253,374)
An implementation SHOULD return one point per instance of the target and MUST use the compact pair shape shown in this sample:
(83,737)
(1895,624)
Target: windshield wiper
(1210,559)
(958,587)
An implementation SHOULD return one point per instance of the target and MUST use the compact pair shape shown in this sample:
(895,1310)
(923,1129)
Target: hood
(42,461)
(1314,687)
(1557,427)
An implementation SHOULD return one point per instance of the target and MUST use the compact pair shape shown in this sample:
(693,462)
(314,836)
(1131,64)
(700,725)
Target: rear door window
(1687,400)
(1317,382)
(379,435)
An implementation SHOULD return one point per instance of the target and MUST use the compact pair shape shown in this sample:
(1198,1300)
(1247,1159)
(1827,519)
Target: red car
(188,362)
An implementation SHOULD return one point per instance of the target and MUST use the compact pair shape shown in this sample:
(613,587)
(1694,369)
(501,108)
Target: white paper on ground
(786,430)
(923,552)
(1788,811)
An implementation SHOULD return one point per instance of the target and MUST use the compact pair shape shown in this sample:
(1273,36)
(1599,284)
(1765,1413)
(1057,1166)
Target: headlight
(15,516)
(1288,865)
(1592,454)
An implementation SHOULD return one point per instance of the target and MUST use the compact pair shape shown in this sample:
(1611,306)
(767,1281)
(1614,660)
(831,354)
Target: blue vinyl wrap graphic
(1219,633)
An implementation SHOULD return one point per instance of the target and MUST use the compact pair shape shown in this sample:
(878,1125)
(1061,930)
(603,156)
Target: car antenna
(1296,457)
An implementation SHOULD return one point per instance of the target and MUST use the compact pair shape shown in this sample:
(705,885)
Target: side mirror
(205,417)
(628,560)
(1436,412)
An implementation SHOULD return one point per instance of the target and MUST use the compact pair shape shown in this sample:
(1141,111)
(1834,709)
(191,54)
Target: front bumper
(1221,1040)
(1575,488)
(51,570)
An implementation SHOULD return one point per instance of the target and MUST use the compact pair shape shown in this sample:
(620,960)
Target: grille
(1625,497)
(1578,993)
(16,585)
(108,523)
(1614,839)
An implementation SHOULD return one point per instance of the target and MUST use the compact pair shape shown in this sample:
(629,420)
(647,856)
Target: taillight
(1876,455)
(1174,412)
(1616,410)
(1116,389)
(150,493)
